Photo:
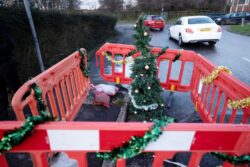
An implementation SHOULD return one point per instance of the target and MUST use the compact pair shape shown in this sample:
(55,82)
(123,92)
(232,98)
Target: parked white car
(192,29)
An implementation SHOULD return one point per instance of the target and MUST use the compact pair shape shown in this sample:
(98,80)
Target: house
(239,5)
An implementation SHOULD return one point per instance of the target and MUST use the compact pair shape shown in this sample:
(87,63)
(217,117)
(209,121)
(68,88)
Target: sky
(94,4)
(90,4)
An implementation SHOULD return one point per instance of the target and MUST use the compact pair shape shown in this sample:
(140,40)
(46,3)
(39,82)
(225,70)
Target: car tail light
(219,29)
(189,30)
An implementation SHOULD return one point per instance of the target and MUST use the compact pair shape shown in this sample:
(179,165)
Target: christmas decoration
(109,57)
(136,144)
(15,137)
(142,107)
(85,70)
(177,56)
(147,101)
(162,51)
(239,104)
(214,74)
(236,160)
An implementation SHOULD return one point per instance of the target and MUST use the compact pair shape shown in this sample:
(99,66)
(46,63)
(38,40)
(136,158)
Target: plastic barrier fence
(210,101)
(78,138)
(64,90)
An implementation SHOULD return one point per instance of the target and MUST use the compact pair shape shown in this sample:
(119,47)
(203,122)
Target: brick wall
(239,8)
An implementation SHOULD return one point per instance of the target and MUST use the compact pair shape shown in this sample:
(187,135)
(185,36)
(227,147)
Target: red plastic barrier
(64,90)
(169,55)
(78,138)
(212,100)
(205,100)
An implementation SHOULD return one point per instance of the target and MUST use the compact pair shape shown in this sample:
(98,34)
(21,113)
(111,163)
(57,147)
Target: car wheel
(223,22)
(180,42)
(211,43)
(161,29)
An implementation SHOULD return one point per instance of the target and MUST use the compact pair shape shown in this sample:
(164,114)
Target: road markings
(246,59)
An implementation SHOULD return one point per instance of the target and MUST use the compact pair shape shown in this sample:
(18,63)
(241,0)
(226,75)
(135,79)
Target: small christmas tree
(145,88)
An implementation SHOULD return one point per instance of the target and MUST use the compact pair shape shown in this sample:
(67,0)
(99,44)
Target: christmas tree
(145,88)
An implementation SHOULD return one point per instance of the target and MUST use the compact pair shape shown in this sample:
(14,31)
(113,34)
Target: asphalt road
(233,50)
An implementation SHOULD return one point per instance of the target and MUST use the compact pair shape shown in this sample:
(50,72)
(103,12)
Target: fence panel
(78,138)
(209,100)
(64,90)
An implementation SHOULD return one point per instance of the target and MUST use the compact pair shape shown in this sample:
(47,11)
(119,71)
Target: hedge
(59,34)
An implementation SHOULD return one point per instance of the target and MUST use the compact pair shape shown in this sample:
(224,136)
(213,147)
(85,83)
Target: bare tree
(111,5)
(171,5)
(45,4)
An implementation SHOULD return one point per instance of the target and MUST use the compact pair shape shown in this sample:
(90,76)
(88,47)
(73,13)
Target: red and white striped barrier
(76,136)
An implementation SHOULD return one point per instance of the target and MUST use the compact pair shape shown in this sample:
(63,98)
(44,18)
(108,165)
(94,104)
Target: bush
(59,34)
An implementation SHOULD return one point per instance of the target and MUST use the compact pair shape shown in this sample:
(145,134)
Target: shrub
(59,34)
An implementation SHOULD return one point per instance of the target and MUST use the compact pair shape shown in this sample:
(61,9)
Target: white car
(194,29)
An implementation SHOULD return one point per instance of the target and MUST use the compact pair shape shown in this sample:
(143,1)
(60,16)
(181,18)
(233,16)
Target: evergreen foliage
(145,88)
(59,34)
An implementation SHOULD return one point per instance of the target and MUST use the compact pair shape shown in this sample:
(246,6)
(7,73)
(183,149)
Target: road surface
(233,50)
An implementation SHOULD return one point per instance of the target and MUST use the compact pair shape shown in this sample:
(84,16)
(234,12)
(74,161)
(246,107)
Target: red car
(154,22)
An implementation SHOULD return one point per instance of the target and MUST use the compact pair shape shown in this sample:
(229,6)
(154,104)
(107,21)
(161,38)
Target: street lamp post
(33,30)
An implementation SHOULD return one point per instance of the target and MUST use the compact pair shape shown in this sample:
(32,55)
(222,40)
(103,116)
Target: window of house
(243,2)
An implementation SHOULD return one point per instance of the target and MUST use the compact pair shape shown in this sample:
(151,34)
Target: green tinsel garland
(131,53)
(15,137)
(136,144)
(177,56)
(236,160)
(85,70)
(163,50)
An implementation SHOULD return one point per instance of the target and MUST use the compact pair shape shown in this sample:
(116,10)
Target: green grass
(245,30)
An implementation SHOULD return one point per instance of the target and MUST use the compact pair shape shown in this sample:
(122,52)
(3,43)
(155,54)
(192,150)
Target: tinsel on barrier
(85,70)
(137,144)
(177,56)
(236,160)
(109,58)
(239,104)
(15,137)
(163,50)
(214,74)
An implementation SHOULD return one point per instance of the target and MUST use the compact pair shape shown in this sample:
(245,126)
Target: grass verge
(244,30)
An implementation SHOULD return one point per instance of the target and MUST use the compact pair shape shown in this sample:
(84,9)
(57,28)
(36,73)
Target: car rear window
(201,20)
(157,18)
